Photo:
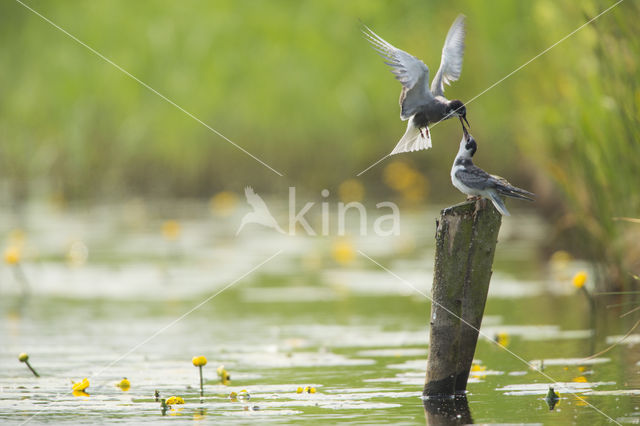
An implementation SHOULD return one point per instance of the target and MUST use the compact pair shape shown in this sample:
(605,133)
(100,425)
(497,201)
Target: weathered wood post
(447,411)
(466,239)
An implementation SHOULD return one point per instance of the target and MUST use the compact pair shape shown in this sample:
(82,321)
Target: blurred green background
(296,84)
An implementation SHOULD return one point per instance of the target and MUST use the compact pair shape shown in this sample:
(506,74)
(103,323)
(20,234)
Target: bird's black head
(456,107)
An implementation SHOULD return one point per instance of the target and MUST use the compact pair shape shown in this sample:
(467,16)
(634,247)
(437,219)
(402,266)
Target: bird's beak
(464,129)
(461,117)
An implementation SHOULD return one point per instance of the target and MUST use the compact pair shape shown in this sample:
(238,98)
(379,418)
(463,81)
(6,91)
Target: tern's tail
(514,192)
(498,204)
(414,139)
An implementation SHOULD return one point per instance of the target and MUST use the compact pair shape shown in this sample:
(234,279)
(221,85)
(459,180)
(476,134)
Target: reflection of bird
(420,104)
(474,181)
(260,213)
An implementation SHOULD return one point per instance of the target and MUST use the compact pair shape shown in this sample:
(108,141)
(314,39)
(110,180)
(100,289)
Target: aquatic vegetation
(351,190)
(552,398)
(24,357)
(223,203)
(406,180)
(200,361)
(502,338)
(12,255)
(478,371)
(579,279)
(124,384)
(80,386)
(223,375)
(174,400)
(171,230)
(306,389)
(343,251)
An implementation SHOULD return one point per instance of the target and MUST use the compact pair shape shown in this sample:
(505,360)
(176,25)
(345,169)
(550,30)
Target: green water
(141,307)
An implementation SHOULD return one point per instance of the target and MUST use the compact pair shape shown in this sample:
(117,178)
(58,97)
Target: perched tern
(420,104)
(475,182)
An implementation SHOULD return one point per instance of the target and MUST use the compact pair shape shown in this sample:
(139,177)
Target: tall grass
(587,138)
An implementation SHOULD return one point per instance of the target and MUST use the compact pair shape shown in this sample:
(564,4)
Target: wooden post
(447,411)
(466,239)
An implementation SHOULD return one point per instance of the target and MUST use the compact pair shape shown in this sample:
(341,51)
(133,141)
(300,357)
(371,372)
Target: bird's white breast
(461,186)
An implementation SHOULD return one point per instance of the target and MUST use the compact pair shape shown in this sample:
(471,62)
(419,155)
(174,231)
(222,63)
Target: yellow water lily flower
(343,251)
(580,279)
(579,379)
(225,377)
(12,255)
(244,395)
(502,339)
(24,357)
(199,361)
(477,371)
(299,390)
(233,396)
(171,230)
(174,400)
(79,393)
(223,203)
(124,384)
(351,190)
(82,385)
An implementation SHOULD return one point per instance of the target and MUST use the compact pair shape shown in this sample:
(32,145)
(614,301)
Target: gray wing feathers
(412,73)
(473,177)
(452,53)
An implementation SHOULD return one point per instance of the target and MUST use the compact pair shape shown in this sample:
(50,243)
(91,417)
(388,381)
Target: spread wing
(451,62)
(412,73)
(474,177)
(255,200)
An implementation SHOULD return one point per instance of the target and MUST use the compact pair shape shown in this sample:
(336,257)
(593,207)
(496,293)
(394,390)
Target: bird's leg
(473,197)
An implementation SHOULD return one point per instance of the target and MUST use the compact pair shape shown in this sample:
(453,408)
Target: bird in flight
(475,182)
(420,104)
(260,214)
